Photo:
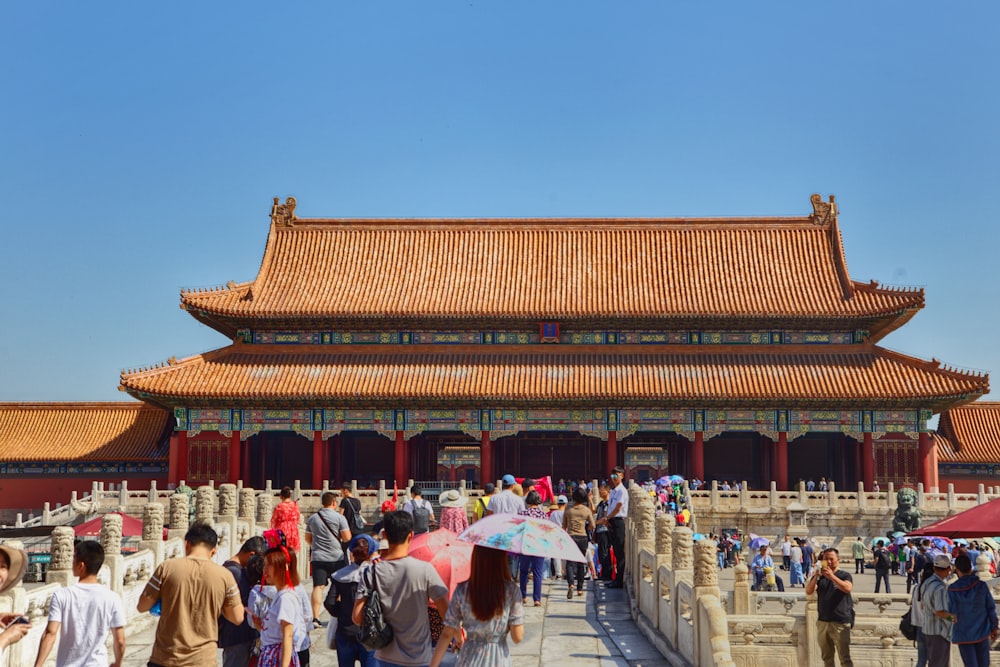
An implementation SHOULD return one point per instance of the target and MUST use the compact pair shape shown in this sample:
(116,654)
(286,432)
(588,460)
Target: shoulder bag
(375,632)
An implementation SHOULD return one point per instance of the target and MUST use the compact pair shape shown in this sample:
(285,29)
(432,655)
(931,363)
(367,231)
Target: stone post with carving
(982,567)
(706,596)
(152,531)
(248,505)
(111,540)
(61,567)
(683,571)
(204,505)
(228,506)
(741,589)
(645,535)
(265,505)
(179,515)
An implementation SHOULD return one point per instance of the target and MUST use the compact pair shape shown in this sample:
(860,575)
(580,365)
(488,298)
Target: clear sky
(142,143)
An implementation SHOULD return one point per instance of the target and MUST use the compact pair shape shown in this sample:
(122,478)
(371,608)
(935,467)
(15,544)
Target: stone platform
(592,630)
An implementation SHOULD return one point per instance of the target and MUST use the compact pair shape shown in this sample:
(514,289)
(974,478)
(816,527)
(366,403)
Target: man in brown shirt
(577,520)
(193,592)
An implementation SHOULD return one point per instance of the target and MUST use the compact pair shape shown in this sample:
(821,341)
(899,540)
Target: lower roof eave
(936,403)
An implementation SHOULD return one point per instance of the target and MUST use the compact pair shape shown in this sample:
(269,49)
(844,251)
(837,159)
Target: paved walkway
(592,630)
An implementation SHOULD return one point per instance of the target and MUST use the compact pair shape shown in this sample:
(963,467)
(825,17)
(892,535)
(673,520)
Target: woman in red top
(286,518)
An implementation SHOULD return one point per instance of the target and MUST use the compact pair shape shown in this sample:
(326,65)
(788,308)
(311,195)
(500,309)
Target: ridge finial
(282,215)
(823,212)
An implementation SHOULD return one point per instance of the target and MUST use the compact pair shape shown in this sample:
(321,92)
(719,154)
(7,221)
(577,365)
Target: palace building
(735,348)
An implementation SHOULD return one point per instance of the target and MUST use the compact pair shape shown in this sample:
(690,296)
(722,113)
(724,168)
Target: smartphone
(21,619)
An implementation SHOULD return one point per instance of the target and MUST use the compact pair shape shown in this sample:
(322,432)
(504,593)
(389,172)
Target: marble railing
(676,602)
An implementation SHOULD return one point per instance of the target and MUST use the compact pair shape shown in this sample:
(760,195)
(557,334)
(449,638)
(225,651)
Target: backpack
(906,626)
(421,517)
(357,521)
(881,561)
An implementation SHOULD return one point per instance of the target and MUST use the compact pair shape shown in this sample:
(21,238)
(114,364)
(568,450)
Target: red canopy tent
(130,527)
(980,521)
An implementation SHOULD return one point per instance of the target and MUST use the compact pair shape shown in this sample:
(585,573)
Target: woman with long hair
(487,607)
(578,521)
(284,613)
(286,518)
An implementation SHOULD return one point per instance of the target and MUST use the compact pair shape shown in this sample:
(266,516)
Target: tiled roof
(83,432)
(661,270)
(972,432)
(557,375)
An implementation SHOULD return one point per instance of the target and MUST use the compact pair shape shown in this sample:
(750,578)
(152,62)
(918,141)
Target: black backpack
(881,560)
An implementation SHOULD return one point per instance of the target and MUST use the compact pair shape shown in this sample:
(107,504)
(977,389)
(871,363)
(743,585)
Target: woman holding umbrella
(487,607)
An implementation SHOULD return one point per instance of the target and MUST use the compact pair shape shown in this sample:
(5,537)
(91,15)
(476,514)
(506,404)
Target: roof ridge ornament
(283,215)
(823,212)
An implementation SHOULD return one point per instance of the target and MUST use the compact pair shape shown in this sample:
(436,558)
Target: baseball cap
(508,479)
(561,500)
(941,561)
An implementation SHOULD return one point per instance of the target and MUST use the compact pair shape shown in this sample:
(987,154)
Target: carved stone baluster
(61,567)
(111,540)
(204,505)
(152,531)
(179,514)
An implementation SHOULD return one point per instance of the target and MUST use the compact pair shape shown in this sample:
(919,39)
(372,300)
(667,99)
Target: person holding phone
(13,565)
(833,588)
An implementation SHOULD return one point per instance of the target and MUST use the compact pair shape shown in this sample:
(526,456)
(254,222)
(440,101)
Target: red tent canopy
(130,527)
(980,521)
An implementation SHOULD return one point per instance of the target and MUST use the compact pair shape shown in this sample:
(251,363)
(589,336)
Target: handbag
(906,626)
(375,632)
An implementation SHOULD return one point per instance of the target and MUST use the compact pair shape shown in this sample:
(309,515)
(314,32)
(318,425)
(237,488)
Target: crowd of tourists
(256,609)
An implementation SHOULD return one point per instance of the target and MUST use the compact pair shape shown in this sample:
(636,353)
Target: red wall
(26,494)
(969,484)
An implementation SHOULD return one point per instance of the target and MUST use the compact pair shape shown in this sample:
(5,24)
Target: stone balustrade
(677,604)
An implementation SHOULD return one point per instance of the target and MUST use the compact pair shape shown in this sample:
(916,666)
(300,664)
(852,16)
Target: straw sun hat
(18,561)
(452,498)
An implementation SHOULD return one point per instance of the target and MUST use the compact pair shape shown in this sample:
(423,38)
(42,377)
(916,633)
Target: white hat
(452,498)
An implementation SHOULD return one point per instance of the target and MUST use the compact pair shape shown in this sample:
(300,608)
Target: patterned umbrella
(451,557)
(676,479)
(756,542)
(525,535)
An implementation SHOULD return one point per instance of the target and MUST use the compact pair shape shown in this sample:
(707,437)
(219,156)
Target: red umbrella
(451,557)
(130,527)
(980,521)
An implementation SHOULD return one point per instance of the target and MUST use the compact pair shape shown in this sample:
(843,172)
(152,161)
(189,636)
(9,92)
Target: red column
(612,451)
(924,460)
(234,457)
(326,464)
(182,455)
(245,461)
(338,457)
(781,474)
(317,476)
(868,461)
(172,460)
(934,464)
(486,459)
(698,456)
(400,456)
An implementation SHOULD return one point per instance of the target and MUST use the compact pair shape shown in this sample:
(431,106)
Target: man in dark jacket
(236,641)
(975,615)
(882,563)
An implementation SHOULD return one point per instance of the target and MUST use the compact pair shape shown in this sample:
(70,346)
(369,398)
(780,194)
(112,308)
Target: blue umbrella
(676,479)
(663,481)
(758,542)
(697,536)
(880,540)
(901,540)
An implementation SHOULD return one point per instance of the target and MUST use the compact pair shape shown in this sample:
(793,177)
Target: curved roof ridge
(936,365)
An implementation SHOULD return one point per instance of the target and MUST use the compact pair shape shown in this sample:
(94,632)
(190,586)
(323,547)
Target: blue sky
(142,144)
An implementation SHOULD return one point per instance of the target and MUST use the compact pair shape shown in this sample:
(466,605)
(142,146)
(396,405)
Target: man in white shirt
(82,615)
(786,554)
(505,502)
(617,511)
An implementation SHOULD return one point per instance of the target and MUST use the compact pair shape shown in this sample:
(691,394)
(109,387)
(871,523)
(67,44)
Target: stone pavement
(592,630)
